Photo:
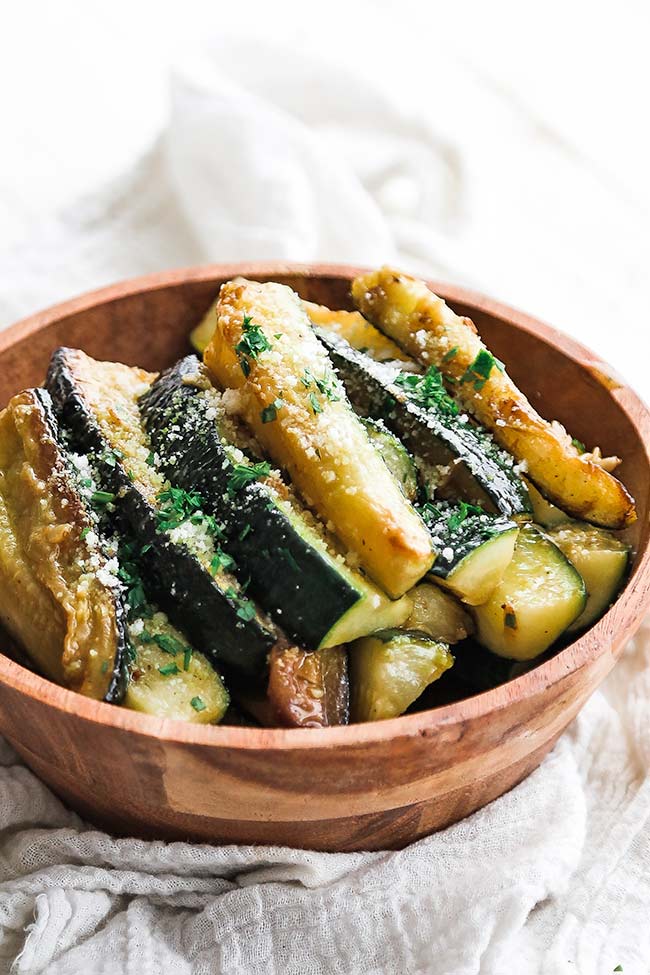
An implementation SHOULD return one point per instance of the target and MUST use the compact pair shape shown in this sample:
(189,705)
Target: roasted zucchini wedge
(455,459)
(309,690)
(475,548)
(438,614)
(395,456)
(59,595)
(544,513)
(357,330)
(350,325)
(390,669)
(181,556)
(427,329)
(265,349)
(601,559)
(295,569)
(540,595)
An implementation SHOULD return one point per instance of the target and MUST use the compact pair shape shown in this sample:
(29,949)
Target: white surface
(511,166)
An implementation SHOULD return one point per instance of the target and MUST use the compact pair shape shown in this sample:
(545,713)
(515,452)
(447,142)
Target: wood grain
(359,787)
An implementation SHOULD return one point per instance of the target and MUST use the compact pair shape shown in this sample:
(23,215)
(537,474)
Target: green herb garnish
(102,497)
(270,412)
(84,532)
(457,518)
(168,669)
(187,657)
(580,447)
(243,474)
(252,343)
(197,704)
(428,391)
(450,355)
(479,371)
(315,405)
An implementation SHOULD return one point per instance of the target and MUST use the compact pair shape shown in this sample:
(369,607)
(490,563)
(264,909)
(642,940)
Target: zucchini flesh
(395,456)
(294,568)
(169,679)
(59,596)
(544,513)
(475,549)
(315,435)
(438,614)
(540,595)
(455,459)
(309,690)
(390,670)
(426,328)
(98,403)
(357,330)
(600,558)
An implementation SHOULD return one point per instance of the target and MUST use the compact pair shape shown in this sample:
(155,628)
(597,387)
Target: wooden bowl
(358,787)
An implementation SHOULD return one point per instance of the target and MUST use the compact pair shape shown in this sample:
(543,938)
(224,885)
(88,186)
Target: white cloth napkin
(552,878)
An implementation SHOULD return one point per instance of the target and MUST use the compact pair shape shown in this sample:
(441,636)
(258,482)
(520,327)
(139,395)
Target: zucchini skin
(472,532)
(44,453)
(288,576)
(406,310)
(175,578)
(485,475)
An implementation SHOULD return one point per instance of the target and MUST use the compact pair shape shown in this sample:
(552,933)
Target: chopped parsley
(580,447)
(168,670)
(457,517)
(168,644)
(197,704)
(176,506)
(315,405)
(187,658)
(479,371)
(245,608)
(151,459)
(428,391)
(104,666)
(102,497)
(252,343)
(243,474)
(450,355)
(221,561)
(327,386)
(270,412)
(84,532)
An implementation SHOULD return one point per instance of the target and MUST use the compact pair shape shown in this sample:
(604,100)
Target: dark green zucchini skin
(175,578)
(119,675)
(481,473)
(461,539)
(288,576)
(482,670)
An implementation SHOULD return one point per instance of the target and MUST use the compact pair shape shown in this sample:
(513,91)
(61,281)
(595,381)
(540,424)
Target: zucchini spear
(426,328)
(264,348)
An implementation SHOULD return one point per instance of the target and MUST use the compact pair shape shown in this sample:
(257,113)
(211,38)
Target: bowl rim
(595,642)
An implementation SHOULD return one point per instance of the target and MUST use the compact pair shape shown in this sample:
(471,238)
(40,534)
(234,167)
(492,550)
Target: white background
(542,108)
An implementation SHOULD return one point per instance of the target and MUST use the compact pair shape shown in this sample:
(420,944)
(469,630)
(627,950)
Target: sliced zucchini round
(474,549)
(390,669)
(395,456)
(438,614)
(600,558)
(170,680)
(540,595)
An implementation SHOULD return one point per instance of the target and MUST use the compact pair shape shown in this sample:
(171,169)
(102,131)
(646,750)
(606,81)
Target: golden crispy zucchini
(390,669)
(600,558)
(540,595)
(350,325)
(439,614)
(265,349)
(426,328)
(357,331)
(59,594)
